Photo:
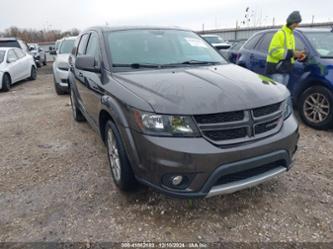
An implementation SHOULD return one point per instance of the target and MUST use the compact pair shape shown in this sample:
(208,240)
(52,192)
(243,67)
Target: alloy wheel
(113,155)
(316,107)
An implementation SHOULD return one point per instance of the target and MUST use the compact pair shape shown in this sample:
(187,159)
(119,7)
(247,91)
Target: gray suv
(175,115)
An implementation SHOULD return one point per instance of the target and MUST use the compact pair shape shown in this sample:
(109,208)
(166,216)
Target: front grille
(220,117)
(240,126)
(226,134)
(242,175)
(266,110)
(261,128)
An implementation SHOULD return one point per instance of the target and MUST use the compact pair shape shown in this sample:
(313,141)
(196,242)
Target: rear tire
(6,82)
(121,169)
(33,74)
(315,107)
(77,114)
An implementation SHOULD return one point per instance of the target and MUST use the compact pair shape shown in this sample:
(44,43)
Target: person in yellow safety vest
(282,52)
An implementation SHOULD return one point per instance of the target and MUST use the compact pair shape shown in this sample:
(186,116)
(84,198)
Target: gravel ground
(56,186)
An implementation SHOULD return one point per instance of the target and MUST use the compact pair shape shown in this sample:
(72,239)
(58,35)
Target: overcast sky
(68,14)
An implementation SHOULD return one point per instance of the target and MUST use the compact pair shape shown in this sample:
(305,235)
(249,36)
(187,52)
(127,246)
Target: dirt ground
(55,185)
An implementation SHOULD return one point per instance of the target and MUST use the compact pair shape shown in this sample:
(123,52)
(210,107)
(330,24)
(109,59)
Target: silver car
(60,65)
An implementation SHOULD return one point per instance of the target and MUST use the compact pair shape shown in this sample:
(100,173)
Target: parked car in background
(38,53)
(232,54)
(179,119)
(61,66)
(12,42)
(311,82)
(54,50)
(15,65)
(216,41)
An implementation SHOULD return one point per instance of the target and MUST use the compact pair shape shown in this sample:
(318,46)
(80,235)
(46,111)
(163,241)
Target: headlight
(63,66)
(165,125)
(287,108)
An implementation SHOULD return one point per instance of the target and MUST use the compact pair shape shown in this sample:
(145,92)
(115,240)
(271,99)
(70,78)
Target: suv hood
(202,90)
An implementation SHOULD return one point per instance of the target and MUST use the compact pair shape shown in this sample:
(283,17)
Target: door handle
(80,74)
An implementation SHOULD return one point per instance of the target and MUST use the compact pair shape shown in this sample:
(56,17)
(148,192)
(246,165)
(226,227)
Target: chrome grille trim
(249,122)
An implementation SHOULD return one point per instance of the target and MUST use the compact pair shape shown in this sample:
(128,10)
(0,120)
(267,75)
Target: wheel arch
(111,110)
(306,85)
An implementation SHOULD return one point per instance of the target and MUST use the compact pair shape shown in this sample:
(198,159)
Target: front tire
(58,89)
(6,82)
(77,114)
(45,61)
(315,107)
(33,73)
(121,170)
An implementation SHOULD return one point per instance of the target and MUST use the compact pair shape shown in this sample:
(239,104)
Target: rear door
(247,51)
(259,55)
(80,81)
(91,90)
(23,63)
(13,66)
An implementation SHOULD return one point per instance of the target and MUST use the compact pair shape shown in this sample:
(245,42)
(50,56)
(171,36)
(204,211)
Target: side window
(19,53)
(93,47)
(299,43)
(11,56)
(250,44)
(264,43)
(83,44)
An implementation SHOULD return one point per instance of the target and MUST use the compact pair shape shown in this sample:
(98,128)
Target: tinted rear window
(252,42)
(264,44)
(9,44)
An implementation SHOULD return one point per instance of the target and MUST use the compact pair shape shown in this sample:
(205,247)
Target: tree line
(36,36)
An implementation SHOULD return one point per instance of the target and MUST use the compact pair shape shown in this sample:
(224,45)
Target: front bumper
(206,164)
(60,77)
(1,75)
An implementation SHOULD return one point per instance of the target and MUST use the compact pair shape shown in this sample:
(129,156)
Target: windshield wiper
(191,62)
(138,65)
(197,62)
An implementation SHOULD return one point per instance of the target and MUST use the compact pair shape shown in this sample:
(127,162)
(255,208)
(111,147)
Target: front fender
(112,106)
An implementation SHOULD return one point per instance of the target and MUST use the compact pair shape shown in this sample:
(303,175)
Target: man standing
(282,51)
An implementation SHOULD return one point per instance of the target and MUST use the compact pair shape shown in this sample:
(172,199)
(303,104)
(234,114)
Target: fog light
(177,180)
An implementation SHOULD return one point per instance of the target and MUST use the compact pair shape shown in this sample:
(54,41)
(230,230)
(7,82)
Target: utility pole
(312,19)
(203,28)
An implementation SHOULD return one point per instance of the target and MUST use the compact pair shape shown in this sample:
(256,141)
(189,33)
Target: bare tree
(32,35)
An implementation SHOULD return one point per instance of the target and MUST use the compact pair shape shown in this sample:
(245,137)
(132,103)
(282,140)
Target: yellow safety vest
(282,41)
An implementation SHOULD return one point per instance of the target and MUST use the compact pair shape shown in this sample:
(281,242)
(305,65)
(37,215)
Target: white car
(15,65)
(216,41)
(61,66)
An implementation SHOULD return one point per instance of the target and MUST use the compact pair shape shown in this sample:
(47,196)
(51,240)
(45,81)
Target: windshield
(159,47)
(9,44)
(213,39)
(2,56)
(66,47)
(322,42)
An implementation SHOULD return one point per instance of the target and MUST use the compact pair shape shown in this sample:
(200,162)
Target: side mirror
(31,48)
(53,52)
(87,63)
